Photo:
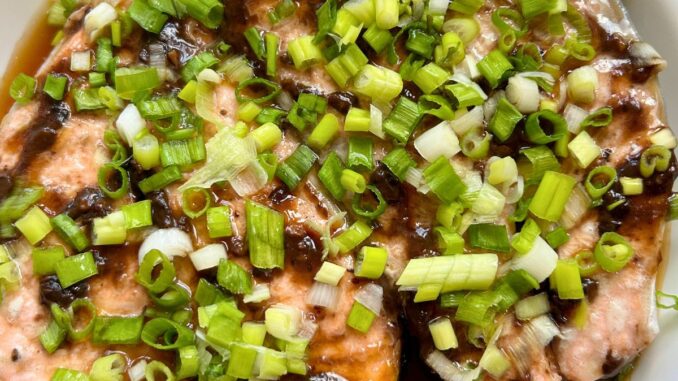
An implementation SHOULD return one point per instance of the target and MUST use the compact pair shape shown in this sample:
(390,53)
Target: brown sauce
(28,55)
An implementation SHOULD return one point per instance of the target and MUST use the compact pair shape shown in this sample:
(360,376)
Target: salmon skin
(61,146)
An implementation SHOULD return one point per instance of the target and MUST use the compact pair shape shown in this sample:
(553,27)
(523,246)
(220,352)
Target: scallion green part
(504,120)
(293,170)
(545,127)
(234,278)
(55,86)
(443,180)
(75,268)
(219,222)
(165,334)
(106,172)
(599,181)
(398,161)
(613,252)
(70,232)
(147,17)
(330,175)
(489,237)
(210,13)
(360,317)
(22,88)
(371,262)
(369,212)
(265,236)
(494,67)
(552,194)
(156,272)
(352,237)
(160,179)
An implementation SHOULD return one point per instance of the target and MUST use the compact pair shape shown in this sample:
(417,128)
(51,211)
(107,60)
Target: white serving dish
(656,22)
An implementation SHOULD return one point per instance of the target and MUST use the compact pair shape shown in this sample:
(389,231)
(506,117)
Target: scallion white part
(532,306)
(137,372)
(172,242)
(665,138)
(250,180)
(81,61)
(438,7)
(469,121)
(98,18)
(466,80)
(574,116)
(490,106)
(582,84)
(371,296)
(208,257)
(523,93)
(130,123)
(282,321)
(577,205)
(448,370)
(513,191)
(323,295)
(260,292)
(209,75)
(490,201)
(469,67)
(539,262)
(376,122)
(436,142)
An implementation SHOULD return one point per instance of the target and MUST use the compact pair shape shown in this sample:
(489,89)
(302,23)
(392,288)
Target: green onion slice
(165,334)
(370,213)
(156,281)
(612,252)
(600,180)
(105,172)
(270,90)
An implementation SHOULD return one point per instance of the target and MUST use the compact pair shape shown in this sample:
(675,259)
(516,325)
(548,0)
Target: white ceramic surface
(657,22)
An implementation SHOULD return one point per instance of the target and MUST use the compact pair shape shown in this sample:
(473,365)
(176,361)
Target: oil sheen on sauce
(28,55)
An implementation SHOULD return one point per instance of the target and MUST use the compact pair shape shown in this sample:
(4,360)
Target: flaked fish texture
(61,147)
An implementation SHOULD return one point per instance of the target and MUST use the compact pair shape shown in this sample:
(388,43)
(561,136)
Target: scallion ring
(167,125)
(165,334)
(545,127)
(79,334)
(188,362)
(164,276)
(475,144)
(105,173)
(173,298)
(581,50)
(501,18)
(599,118)
(154,368)
(507,41)
(654,158)
(612,252)
(600,180)
(195,202)
(272,89)
(367,212)
(587,265)
(113,143)
(436,105)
